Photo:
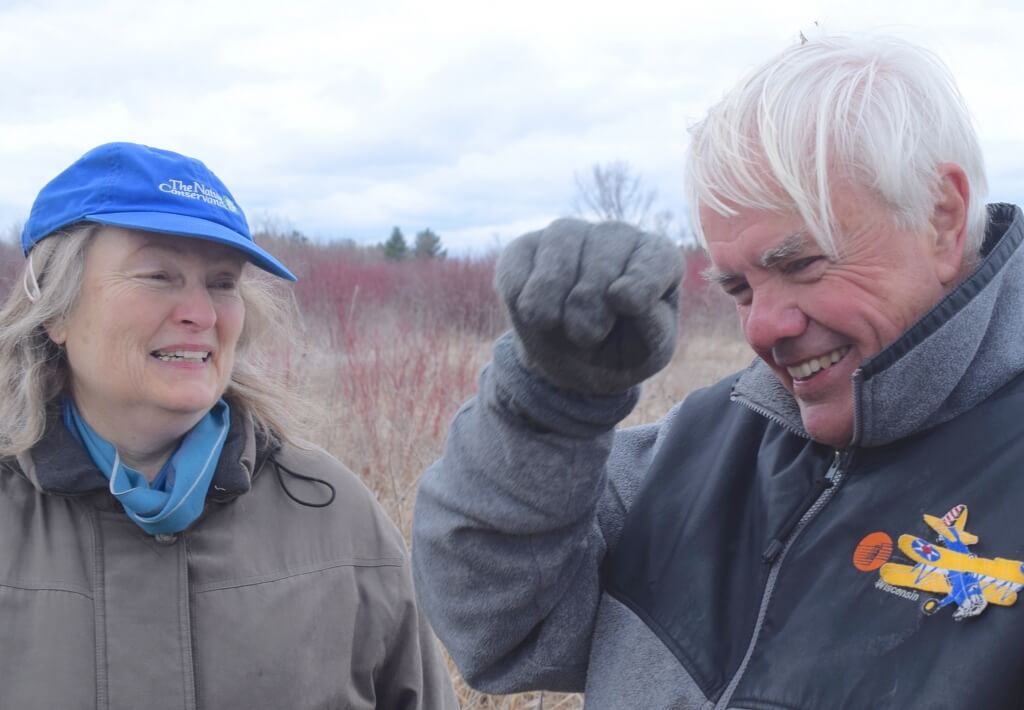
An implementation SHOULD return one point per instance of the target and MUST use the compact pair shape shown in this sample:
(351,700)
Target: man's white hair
(878,111)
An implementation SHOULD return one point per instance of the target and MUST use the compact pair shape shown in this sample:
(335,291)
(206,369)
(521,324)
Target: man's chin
(831,428)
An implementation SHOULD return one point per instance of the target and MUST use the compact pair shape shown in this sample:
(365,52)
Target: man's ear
(949,222)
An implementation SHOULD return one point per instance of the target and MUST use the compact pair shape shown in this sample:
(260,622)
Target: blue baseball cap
(138,187)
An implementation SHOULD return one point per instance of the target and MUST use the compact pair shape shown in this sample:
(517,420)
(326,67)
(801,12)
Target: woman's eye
(157,276)
(224,284)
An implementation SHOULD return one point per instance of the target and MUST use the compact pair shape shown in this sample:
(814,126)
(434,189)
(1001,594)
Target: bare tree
(612,191)
(661,223)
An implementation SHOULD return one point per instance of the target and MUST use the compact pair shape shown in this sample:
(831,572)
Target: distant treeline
(343,282)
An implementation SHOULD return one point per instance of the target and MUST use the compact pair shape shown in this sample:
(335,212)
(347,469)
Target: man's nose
(772,316)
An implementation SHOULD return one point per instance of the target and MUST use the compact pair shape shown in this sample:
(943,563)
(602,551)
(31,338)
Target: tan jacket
(262,603)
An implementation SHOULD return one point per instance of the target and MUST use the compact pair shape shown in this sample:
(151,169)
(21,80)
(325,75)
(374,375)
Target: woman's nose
(195,307)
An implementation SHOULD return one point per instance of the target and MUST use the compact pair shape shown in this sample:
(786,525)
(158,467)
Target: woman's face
(151,343)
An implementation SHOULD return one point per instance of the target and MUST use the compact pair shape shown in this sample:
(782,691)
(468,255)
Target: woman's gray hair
(878,111)
(34,370)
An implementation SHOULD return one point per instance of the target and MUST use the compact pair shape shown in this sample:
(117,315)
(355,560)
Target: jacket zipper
(778,542)
(785,538)
(770,416)
(858,381)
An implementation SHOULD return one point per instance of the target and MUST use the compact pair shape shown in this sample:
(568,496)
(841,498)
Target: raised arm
(513,522)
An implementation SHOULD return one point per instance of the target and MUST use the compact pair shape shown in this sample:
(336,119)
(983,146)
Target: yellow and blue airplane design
(951,569)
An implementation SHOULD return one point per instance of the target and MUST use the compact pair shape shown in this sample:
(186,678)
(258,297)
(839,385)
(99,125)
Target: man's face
(814,320)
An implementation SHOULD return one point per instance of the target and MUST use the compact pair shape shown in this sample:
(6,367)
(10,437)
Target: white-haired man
(789,538)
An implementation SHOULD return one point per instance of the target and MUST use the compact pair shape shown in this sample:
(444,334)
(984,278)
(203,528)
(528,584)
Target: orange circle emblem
(872,552)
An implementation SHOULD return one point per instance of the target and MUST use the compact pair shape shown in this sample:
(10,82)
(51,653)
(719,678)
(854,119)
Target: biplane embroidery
(948,567)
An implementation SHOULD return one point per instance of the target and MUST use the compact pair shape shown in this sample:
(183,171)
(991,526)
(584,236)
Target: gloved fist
(594,306)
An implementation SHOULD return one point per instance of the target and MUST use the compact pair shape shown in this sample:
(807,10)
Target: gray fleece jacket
(553,551)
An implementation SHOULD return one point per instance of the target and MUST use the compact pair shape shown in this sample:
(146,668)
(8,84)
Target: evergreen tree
(395,247)
(428,246)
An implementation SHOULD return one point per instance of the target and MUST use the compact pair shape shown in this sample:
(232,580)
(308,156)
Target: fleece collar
(58,464)
(957,355)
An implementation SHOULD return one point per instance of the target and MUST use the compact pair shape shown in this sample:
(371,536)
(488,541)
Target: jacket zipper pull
(775,547)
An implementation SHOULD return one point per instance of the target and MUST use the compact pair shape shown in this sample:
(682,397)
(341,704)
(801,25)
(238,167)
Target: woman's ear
(57,332)
(949,222)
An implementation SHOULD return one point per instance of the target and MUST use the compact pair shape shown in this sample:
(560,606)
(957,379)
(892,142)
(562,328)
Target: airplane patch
(945,567)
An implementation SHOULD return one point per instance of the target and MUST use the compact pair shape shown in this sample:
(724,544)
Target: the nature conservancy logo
(196,190)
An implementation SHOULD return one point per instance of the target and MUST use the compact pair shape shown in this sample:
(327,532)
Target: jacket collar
(955,356)
(58,463)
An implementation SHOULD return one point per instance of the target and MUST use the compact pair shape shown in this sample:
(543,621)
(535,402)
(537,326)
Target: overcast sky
(342,118)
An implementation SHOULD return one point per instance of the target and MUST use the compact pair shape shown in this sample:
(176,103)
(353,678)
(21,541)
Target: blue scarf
(174,499)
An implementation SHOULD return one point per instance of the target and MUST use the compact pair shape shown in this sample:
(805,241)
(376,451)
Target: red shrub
(11,261)
(703,305)
(344,287)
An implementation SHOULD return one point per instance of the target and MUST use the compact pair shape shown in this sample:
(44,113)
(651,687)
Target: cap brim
(196,228)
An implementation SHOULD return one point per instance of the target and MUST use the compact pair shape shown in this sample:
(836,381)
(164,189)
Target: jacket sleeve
(413,675)
(513,522)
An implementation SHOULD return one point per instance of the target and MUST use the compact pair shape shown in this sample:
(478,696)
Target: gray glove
(594,306)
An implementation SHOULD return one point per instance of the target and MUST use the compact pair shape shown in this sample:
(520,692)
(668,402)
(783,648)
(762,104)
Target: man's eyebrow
(714,275)
(790,246)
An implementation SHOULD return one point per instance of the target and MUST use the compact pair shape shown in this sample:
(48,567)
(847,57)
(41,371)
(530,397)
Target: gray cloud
(346,118)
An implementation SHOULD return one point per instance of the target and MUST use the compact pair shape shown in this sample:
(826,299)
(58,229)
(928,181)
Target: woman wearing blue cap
(167,541)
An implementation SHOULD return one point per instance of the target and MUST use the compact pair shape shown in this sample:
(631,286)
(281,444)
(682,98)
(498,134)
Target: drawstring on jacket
(278,467)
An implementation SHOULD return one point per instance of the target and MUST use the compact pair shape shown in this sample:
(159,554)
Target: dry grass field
(385,408)
(390,350)
(385,384)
